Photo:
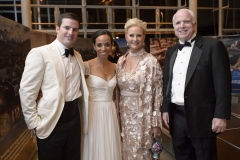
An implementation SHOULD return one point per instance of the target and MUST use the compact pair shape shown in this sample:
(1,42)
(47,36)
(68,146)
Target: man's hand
(165,118)
(218,125)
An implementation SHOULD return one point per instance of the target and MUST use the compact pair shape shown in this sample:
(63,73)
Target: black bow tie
(186,44)
(69,51)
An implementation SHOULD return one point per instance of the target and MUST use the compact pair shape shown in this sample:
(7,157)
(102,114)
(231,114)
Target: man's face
(67,33)
(184,28)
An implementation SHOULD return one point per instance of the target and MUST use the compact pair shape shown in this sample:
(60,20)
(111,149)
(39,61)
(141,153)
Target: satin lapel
(78,57)
(171,64)
(85,94)
(82,68)
(59,66)
(193,62)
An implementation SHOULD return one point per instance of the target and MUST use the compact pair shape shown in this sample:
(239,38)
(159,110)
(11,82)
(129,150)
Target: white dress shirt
(72,73)
(179,73)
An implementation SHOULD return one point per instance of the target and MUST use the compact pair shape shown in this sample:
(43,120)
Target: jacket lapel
(82,69)
(59,66)
(80,62)
(83,101)
(172,61)
(194,59)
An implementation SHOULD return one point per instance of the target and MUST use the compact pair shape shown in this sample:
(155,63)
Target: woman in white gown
(102,142)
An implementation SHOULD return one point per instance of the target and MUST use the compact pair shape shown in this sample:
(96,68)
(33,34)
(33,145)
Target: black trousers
(187,148)
(64,141)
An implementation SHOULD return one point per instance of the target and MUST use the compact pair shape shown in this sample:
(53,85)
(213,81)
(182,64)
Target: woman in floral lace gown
(140,82)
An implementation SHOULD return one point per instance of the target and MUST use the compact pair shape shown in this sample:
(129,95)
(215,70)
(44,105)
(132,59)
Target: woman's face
(135,38)
(103,46)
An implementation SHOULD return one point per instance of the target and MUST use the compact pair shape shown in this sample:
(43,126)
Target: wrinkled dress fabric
(103,139)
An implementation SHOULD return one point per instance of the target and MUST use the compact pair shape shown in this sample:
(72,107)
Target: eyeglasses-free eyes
(184,22)
(101,45)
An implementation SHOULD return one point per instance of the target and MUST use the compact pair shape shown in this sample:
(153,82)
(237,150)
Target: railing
(156,27)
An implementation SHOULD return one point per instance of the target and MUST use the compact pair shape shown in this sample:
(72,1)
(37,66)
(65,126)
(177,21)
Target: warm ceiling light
(106,1)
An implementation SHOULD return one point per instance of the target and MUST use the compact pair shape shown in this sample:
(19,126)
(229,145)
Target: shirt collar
(61,47)
(189,39)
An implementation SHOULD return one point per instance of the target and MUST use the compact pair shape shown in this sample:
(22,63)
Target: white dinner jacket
(44,70)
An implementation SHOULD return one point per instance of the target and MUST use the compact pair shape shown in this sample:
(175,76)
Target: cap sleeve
(87,68)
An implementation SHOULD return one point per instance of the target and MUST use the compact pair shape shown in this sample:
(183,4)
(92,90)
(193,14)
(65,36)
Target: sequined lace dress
(132,118)
(140,101)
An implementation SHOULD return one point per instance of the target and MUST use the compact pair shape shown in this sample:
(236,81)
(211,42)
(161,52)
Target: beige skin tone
(67,33)
(135,39)
(184,28)
(101,65)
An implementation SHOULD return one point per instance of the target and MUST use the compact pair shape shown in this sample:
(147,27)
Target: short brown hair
(67,15)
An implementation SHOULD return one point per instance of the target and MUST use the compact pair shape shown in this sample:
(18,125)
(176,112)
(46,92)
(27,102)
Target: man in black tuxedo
(197,91)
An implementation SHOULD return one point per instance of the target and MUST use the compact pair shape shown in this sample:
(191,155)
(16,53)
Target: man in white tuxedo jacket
(59,74)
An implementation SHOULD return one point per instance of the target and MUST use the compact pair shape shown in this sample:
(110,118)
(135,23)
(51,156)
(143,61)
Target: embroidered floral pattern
(140,110)
(87,68)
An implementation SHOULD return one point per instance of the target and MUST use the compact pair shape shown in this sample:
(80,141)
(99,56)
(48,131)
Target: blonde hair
(135,22)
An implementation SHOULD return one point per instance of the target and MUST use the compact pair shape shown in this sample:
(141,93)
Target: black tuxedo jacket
(207,92)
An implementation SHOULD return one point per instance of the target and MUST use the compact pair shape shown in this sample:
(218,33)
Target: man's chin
(183,38)
(69,44)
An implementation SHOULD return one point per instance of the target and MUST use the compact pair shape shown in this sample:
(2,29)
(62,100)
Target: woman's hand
(156,132)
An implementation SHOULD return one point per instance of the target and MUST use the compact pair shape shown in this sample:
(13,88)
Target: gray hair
(189,11)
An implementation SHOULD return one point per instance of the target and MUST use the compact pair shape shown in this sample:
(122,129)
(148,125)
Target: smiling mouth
(183,31)
(69,38)
(135,43)
(103,53)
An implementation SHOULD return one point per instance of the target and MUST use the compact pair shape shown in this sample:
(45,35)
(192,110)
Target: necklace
(102,66)
(105,70)
(136,53)
(125,78)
